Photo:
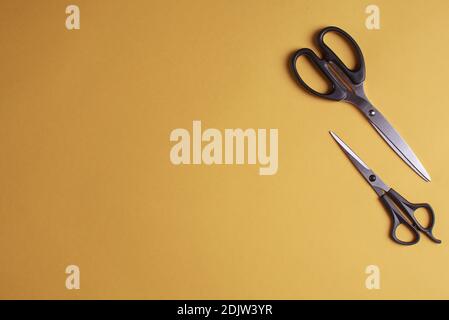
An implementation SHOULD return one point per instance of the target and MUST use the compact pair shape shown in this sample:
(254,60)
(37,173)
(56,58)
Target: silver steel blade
(392,137)
(374,181)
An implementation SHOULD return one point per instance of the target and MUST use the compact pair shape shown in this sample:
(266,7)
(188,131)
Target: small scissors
(401,211)
(347,85)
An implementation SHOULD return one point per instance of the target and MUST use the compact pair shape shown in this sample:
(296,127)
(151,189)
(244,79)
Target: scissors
(401,210)
(347,85)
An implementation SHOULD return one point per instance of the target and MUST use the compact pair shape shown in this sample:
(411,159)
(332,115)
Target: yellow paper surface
(86,178)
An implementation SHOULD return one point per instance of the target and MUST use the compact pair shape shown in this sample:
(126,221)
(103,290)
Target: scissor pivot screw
(372,113)
(372,178)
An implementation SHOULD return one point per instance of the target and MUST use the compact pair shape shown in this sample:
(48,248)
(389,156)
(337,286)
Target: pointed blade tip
(333,134)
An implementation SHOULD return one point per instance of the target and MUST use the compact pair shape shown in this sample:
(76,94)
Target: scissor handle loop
(357,76)
(402,213)
(338,91)
(410,209)
(397,219)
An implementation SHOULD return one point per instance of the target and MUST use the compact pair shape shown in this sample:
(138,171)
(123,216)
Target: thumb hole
(404,233)
(342,49)
(312,75)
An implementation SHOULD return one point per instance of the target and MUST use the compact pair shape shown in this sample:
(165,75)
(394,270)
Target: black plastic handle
(338,90)
(397,220)
(410,208)
(357,75)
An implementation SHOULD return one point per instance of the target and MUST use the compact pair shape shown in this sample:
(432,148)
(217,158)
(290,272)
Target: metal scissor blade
(374,181)
(392,137)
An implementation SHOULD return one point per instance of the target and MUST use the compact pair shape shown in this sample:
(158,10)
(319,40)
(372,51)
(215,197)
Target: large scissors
(347,85)
(402,211)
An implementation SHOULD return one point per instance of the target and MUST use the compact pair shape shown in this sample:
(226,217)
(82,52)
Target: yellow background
(85,175)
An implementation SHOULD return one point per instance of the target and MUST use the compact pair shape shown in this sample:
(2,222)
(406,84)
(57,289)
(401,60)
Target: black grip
(397,220)
(357,75)
(337,92)
(410,208)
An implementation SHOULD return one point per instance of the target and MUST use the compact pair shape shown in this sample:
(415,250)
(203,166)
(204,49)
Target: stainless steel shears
(402,211)
(347,85)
